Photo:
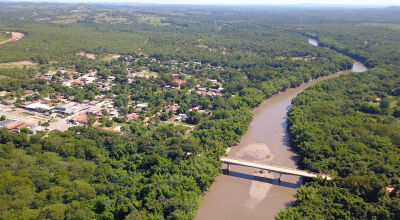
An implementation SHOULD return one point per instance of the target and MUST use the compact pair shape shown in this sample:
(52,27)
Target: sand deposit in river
(257,153)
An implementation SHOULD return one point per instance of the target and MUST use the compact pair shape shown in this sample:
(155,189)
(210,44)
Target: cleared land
(15,36)
(19,64)
(87,55)
(395,27)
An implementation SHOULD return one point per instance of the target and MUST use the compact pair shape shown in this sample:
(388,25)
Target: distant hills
(393,8)
(304,5)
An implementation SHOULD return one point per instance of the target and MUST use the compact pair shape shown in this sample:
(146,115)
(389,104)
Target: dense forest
(158,171)
(85,173)
(338,128)
(349,126)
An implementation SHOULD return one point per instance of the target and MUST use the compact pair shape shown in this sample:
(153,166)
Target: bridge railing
(270,167)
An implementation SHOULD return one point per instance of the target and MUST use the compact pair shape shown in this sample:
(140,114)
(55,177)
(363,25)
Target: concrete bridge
(272,168)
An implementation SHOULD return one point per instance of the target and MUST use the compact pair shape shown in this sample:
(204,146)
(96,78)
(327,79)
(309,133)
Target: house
(376,100)
(77,82)
(114,114)
(94,102)
(24,125)
(88,79)
(214,81)
(180,117)
(3,93)
(142,105)
(36,129)
(179,81)
(82,118)
(173,108)
(17,125)
(6,123)
(132,116)
(14,125)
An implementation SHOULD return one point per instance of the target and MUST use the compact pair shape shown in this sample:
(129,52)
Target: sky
(247,2)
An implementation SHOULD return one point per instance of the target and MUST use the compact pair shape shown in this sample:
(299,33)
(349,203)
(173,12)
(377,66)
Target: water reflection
(313,42)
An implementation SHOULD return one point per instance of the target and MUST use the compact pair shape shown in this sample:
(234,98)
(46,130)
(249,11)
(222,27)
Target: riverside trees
(338,128)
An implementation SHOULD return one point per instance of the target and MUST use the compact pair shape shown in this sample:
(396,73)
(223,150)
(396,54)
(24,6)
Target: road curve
(15,36)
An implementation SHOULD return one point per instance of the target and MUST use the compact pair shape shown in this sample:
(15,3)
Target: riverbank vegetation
(349,127)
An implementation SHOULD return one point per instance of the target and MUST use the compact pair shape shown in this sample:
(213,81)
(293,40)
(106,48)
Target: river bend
(241,195)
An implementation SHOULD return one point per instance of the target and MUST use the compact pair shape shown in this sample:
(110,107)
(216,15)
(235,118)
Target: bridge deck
(273,168)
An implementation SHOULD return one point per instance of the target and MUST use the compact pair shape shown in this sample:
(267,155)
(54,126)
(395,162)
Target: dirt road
(15,36)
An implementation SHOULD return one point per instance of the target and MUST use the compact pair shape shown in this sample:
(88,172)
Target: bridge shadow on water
(273,181)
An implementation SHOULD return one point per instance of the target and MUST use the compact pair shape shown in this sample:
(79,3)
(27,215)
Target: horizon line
(304,4)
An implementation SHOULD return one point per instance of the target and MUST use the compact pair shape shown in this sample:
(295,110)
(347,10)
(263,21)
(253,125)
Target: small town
(35,112)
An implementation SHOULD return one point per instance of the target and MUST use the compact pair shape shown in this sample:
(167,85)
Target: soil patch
(15,36)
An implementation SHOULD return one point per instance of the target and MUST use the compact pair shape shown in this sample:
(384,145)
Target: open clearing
(19,64)
(385,25)
(87,55)
(15,36)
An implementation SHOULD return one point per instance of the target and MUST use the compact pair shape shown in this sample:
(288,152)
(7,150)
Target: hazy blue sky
(266,2)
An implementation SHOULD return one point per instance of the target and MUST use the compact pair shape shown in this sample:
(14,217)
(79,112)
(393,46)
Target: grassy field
(386,25)
(3,36)
(20,64)
(151,19)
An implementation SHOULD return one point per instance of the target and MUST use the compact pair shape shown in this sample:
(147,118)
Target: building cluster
(15,125)
(73,112)
(211,92)
(70,110)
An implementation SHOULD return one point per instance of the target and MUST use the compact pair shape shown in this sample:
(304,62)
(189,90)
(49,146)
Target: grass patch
(3,36)
(110,57)
(18,65)
(386,25)
(27,113)
(151,19)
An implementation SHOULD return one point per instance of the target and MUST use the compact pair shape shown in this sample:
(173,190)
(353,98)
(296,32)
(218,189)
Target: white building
(38,107)
(180,117)
(142,105)
(88,79)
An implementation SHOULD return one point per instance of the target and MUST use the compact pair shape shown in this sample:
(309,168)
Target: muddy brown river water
(244,194)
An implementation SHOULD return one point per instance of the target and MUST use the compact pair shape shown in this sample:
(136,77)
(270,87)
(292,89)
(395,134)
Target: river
(244,194)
